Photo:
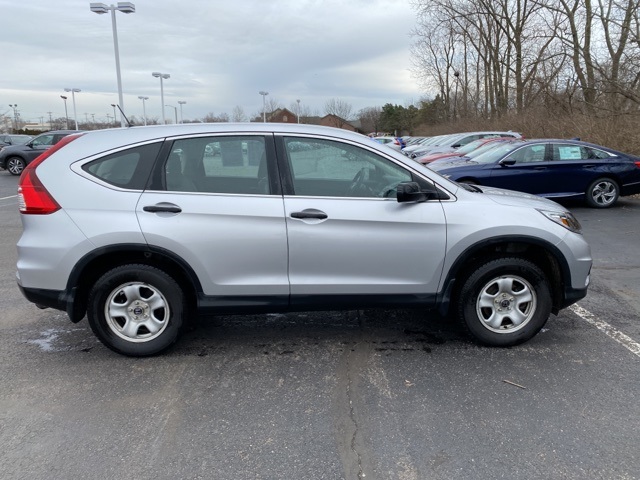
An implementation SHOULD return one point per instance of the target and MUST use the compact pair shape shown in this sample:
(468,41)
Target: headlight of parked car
(566,219)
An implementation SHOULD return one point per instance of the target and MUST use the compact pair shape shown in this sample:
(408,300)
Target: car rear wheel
(602,193)
(136,310)
(505,302)
(15,165)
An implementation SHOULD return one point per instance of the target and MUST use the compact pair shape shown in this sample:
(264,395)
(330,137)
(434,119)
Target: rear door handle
(162,207)
(310,213)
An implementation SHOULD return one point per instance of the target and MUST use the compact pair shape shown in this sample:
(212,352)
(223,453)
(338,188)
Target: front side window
(332,169)
(233,164)
(43,140)
(529,154)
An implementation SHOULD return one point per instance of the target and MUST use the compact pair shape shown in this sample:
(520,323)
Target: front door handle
(162,207)
(310,213)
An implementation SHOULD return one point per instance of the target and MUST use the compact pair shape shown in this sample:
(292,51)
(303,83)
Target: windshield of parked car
(492,155)
(486,147)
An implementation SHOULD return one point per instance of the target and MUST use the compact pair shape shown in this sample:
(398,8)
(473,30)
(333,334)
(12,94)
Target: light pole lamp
(66,115)
(175,109)
(15,117)
(264,111)
(124,7)
(181,102)
(144,108)
(162,76)
(114,112)
(73,98)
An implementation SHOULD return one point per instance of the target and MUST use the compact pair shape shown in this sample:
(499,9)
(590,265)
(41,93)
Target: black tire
(136,310)
(505,302)
(602,193)
(15,165)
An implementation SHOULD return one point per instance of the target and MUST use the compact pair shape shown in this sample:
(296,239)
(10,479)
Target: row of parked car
(552,168)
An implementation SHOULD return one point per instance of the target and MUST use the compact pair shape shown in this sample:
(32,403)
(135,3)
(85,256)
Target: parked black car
(15,157)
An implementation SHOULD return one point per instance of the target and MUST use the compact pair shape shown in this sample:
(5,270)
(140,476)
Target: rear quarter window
(128,169)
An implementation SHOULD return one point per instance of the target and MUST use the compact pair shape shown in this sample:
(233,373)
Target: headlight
(566,219)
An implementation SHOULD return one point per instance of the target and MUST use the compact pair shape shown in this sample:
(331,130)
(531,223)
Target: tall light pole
(124,7)
(162,76)
(181,102)
(66,115)
(144,109)
(114,112)
(264,105)
(298,100)
(73,97)
(175,109)
(15,117)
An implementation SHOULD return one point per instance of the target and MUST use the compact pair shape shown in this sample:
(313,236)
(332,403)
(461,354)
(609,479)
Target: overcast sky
(219,53)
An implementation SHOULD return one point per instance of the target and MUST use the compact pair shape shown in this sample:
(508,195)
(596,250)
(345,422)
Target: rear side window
(127,168)
(577,152)
(227,165)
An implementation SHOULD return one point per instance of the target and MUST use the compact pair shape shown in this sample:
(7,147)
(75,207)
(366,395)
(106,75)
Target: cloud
(219,54)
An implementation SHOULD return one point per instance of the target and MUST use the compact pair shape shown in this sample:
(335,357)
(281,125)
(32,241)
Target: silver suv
(143,228)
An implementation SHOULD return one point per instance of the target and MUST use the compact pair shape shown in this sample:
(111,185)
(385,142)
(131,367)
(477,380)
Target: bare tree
(340,109)
(370,119)
(213,118)
(237,115)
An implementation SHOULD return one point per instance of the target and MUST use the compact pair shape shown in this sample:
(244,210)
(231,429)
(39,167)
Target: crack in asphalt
(355,357)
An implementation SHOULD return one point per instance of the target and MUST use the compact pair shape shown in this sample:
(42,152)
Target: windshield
(486,147)
(492,155)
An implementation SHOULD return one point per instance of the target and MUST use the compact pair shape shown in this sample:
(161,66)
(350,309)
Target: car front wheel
(15,165)
(602,193)
(136,310)
(505,302)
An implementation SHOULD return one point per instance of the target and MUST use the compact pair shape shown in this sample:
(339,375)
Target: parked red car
(470,149)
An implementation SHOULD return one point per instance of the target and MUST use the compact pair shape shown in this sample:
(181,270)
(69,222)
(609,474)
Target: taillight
(637,163)
(33,197)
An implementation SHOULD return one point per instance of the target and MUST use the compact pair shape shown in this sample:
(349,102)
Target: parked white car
(455,141)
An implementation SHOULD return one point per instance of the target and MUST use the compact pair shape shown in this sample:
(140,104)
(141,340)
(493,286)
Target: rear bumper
(45,298)
(57,299)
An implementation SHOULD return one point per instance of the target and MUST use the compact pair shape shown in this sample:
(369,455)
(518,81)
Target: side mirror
(411,192)
(507,162)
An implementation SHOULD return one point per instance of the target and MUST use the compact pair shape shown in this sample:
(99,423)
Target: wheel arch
(96,263)
(541,253)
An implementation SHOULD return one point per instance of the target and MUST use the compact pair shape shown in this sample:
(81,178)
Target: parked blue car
(551,168)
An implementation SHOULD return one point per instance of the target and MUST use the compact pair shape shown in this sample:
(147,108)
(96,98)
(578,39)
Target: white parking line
(624,340)
(12,196)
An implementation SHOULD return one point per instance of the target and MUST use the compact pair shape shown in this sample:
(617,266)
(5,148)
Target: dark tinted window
(126,169)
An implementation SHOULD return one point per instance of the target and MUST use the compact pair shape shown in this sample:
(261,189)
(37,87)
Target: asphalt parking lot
(394,394)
